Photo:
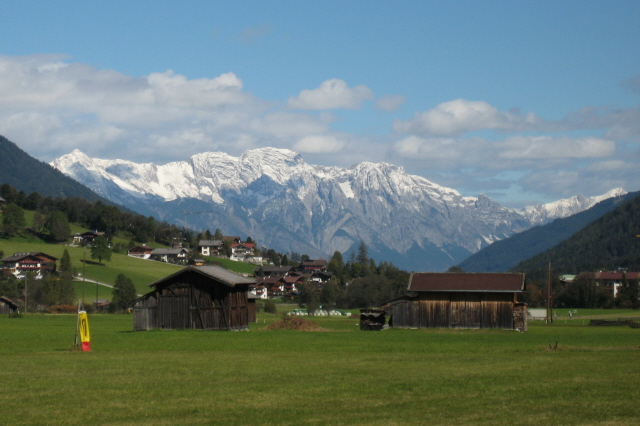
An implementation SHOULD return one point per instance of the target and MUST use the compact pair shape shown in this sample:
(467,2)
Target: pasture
(342,376)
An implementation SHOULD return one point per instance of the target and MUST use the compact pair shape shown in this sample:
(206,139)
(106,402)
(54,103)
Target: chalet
(196,262)
(613,280)
(7,306)
(196,297)
(172,255)
(313,265)
(241,251)
(259,291)
(87,237)
(460,300)
(321,276)
(273,271)
(35,262)
(141,252)
(210,247)
(290,284)
(274,285)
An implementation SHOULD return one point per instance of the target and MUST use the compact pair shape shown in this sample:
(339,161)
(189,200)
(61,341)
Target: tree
(100,249)
(218,235)
(58,226)
(330,295)
(310,296)
(12,219)
(363,254)
(123,292)
(65,264)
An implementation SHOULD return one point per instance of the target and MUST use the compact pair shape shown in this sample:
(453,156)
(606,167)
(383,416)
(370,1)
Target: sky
(524,101)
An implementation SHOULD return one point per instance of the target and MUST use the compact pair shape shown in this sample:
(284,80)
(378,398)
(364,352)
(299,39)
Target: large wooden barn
(196,297)
(460,300)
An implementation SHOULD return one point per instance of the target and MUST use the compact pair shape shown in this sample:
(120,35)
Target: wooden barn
(7,306)
(196,297)
(460,300)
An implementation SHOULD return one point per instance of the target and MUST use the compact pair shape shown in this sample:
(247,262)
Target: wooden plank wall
(456,310)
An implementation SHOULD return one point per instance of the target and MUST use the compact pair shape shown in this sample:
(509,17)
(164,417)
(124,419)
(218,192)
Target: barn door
(173,311)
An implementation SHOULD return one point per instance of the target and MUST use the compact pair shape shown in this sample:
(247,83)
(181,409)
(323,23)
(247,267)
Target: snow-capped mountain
(284,203)
(545,213)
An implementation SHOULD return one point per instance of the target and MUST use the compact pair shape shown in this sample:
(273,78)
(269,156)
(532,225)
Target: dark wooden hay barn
(460,300)
(196,297)
(7,306)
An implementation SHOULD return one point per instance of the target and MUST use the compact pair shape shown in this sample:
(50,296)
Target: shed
(460,300)
(7,306)
(196,297)
(371,319)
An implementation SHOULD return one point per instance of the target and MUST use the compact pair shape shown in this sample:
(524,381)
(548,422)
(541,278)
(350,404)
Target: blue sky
(523,101)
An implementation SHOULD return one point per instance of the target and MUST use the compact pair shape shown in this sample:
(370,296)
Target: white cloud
(461,116)
(332,94)
(546,147)
(323,144)
(390,103)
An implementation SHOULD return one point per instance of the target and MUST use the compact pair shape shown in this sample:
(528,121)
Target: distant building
(35,262)
(142,252)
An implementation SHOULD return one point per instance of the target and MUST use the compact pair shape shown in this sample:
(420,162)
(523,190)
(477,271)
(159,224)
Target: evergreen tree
(65,264)
(124,292)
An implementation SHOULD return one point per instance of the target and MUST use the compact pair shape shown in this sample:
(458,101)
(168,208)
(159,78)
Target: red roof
(466,282)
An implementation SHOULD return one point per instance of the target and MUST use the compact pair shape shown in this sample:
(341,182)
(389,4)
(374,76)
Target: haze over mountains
(284,203)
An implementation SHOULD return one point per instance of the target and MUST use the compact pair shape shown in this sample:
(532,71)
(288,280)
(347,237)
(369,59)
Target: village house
(612,280)
(460,300)
(272,271)
(196,297)
(37,263)
(210,247)
(259,291)
(86,237)
(241,251)
(172,255)
(141,252)
(313,265)
(2,203)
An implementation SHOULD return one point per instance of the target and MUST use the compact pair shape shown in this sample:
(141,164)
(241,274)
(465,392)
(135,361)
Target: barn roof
(217,273)
(466,282)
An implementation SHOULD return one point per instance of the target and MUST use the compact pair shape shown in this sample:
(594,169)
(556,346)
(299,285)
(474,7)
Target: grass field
(344,376)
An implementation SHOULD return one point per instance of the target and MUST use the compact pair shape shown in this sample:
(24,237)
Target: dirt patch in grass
(295,323)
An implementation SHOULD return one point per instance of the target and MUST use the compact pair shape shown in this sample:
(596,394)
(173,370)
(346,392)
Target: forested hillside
(608,243)
(25,173)
(506,254)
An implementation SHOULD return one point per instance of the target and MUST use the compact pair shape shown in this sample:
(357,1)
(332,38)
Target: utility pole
(549,299)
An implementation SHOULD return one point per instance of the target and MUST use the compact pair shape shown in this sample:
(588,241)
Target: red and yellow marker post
(83,324)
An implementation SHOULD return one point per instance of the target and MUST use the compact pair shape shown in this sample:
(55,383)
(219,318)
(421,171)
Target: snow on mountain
(284,203)
(545,213)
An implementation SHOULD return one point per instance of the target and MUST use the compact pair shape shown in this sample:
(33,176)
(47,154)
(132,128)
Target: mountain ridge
(277,198)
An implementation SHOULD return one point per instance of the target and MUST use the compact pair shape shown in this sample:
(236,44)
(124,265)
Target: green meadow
(339,376)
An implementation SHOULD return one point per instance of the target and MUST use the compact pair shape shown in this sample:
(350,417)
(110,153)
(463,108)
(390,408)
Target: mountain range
(284,203)
(25,173)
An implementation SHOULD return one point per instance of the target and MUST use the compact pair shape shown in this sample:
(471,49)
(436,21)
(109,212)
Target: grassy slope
(341,377)
(141,272)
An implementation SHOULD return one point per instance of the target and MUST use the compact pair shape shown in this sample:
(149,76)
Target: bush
(63,309)
(270,307)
